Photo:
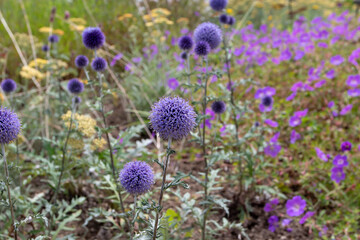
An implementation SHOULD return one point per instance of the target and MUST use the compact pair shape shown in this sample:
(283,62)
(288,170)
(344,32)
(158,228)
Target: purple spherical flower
(340,161)
(218,5)
(218,107)
(337,174)
(54,38)
(45,48)
(136,177)
(186,43)
(99,64)
(93,38)
(8,85)
(76,100)
(231,20)
(81,61)
(267,101)
(295,206)
(184,55)
(202,48)
(346,146)
(209,33)
(75,86)
(223,18)
(10,126)
(172,117)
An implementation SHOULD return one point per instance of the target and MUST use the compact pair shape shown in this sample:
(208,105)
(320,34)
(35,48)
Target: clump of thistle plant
(10,129)
(173,119)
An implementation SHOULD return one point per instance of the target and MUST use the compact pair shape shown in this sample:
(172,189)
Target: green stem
(133,220)
(8,190)
(204,150)
(158,211)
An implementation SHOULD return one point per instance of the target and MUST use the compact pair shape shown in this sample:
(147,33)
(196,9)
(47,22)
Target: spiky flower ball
(76,100)
(45,48)
(136,177)
(9,126)
(99,64)
(184,55)
(218,5)
(75,86)
(209,33)
(218,107)
(223,18)
(185,43)
(231,20)
(93,38)
(81,61)
(54,38)
(8,85)
(267,101)
(172,117)
(202,48)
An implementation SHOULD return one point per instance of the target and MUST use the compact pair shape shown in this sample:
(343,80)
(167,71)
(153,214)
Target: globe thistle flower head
(81,61)
(93,38)
(45,48)
(267,101)
(172,117)
(8,85)
(54,38)
(75,86)
(231,20)
(218,107)
(184,55)
(223,18)
(76,100)
(346,146)
(185,43)
(10,126)
(218,5)
(136,177)
(209,33)
(99,64)
(202,48)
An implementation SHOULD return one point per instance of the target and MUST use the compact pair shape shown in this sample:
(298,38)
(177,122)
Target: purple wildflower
(294,121)
(272,150)
(93,38)
(136,177)
(346,146)
(294,136)
(210,33)
(273,223)
(337,174)
(271,123)
(295,206)
(306,216)
(346,109)
(336,60)
(353,80)
(8,85)
(340,161)
(172,83)
(10,126)
(321,154)
(286,222)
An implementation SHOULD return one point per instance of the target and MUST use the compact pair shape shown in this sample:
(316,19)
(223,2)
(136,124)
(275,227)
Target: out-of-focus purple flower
(229,85)
(321,154)
(320,83)
(353,80)
(275,138)
(211,113)
(340,161)
(270,205)
(136,59)
(128,67)
(266,104)
(336,60)
(273,223)
(346,109)
(331,104)
(286,222)
(294,121)
(214,78)
(346,146)
(271,123)
(323,231)
(337,174)
(285,55)
(301,114)
(172,83)
(330,74)
(354,92)
(306,216)
(266,91)
(295,206)
(299,55)
(291,96)
(272,149)
(294,136)
(322,45)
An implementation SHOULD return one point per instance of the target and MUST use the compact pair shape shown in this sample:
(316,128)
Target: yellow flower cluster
(125,16)
(85,123)
(76,143)
(157,16)
(77,24)
(54,31)
(23,40)
(98,143)
(38,63)
(29,72)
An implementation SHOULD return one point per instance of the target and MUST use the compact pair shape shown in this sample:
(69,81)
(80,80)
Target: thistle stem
(8,190)
(64,152)
(169,152)
(133,220)
(203,230)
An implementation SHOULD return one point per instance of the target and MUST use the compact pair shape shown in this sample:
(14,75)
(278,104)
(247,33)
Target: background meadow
(247,128)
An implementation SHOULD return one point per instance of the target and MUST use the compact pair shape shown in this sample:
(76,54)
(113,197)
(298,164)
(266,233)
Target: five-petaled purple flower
(340,161)
(295,206)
